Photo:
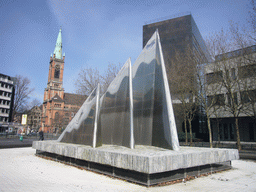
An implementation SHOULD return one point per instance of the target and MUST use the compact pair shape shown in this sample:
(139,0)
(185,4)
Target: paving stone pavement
(21,170)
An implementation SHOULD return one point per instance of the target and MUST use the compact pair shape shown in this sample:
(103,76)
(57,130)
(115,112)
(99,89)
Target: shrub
(182,136)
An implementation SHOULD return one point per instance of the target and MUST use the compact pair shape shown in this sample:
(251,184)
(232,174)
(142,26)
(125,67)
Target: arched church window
(57,120)
(57,72)
(57,116)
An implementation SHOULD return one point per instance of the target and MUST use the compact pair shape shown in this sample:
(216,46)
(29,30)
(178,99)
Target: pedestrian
(6,133)
(41,135)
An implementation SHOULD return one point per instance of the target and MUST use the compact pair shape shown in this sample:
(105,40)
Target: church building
(58,107)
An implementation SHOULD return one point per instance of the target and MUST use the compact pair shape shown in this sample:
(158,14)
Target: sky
(94,32)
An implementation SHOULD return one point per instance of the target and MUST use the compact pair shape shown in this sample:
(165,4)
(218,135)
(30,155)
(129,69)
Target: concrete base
(146,165)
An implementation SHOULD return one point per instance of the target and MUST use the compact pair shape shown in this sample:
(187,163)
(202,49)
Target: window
(57,105)
(57,72)
(247,71)
(233,73)
(227,74)
(214,77)
(44,109)
(57,116)
(225,126)
(216,100)
(248,96)
(220,100)
(251,131)
(232,100)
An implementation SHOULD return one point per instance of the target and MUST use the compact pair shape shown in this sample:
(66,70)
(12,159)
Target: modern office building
(231,88)
(58,107)
(6,98)
(177,34)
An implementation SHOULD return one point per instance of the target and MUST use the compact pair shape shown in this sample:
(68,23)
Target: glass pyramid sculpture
(116,117)
(83,127)
(136,109)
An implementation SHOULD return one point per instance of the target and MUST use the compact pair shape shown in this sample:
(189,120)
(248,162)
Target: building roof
(58,47)
(236,53)
(57,98)
(5,76)
(74,99)
(35,108)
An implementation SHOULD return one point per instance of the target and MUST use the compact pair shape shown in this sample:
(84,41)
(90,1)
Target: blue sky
(94,32)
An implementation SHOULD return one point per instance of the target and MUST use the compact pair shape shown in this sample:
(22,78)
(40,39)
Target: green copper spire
(58,47)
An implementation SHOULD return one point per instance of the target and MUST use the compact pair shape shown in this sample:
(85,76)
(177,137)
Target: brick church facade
(58,107)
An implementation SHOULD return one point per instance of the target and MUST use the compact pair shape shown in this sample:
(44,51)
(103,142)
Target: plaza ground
(21,170)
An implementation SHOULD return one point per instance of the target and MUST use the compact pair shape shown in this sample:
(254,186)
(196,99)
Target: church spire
(58,47)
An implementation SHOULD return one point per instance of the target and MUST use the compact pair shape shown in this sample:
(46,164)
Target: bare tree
(59,122)
(252,21)
(246,68)
(190,81)
(22,92)
(225,66)
(34,115)
(89,78)
(33,103)
(109,75)
(208,98)
(183,86)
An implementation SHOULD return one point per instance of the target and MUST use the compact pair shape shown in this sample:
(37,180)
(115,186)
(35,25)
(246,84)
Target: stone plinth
(145,164)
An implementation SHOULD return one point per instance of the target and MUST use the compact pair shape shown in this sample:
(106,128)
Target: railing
(9,90)
(5,97)
(223,144)
(168,17)
(5,106)
(47,136)
(6,80)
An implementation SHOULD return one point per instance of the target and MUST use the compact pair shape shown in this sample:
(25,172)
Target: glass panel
(80,129)
(161,126)
(114,121)
(143,93)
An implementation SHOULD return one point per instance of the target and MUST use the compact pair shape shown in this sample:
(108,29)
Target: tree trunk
(237,134)
(210,131)
(190,131)
(186,132)
(218,127)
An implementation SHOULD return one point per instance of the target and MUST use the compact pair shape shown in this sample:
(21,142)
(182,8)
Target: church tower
(56,69)
(54,91)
